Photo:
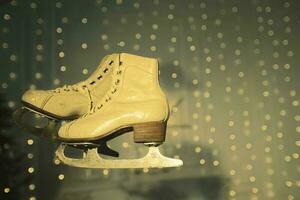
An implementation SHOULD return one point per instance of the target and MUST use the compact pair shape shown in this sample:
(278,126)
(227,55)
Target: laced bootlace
(110,93)
(83,87)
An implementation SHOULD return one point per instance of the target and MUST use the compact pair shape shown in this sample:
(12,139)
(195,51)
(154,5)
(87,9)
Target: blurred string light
(241,100)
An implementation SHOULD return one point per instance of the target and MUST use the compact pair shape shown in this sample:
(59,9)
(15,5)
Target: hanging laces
(83,87)
(108,96)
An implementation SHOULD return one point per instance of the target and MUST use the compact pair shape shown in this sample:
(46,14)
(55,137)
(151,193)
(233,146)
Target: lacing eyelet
(93,82)
(119,72)
(99,77)
(111,62)
(117,81)
(113,91)
(108,99)
(105,70)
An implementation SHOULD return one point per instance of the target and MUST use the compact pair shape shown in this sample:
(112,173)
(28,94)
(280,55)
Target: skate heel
(150,132)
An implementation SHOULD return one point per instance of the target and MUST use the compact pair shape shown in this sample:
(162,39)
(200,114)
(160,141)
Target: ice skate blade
(47,130)
(91,159)
(24,109)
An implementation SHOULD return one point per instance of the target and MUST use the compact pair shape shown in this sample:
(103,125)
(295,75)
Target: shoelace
(82,87)
(108,96)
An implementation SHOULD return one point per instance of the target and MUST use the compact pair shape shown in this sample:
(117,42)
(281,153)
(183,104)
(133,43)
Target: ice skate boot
(136,103)
(65,103)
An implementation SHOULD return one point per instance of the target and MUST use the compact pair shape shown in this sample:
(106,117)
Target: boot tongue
(96,72)
(104,62)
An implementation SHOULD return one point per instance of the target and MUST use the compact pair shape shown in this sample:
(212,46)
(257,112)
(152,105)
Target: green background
(230,70)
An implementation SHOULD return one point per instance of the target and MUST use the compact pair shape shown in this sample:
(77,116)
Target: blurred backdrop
(230,69)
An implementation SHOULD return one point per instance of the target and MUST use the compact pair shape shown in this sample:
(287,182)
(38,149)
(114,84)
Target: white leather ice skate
(65,103)
(134,103)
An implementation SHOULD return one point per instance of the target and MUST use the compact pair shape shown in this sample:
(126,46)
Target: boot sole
(147,132)
(46,113)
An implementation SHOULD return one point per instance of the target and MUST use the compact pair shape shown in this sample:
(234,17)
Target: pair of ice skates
(122,95)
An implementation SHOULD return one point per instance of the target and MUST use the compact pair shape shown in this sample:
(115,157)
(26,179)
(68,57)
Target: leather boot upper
(134,97)
(73,101)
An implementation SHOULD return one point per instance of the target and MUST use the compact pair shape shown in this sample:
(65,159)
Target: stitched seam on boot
(45,101)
